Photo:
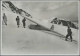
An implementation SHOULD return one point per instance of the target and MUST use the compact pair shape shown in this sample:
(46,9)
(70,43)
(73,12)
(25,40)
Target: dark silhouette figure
(23,21)
(69,34)
(52,27)
(5,19)
(18,21)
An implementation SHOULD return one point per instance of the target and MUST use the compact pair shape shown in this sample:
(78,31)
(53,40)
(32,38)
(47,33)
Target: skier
(5,19)
(69,34)
(23,21)
(52,27)
(18,21)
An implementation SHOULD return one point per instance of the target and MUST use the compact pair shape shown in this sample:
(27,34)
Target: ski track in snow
(26,41)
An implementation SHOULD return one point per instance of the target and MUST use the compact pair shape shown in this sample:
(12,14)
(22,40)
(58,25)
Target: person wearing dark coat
(69,33)
(5,19)
(23,21)
(18,21)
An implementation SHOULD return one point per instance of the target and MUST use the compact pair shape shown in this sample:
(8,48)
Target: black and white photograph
(39,27)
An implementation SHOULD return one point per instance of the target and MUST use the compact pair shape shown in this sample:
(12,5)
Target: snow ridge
(9,5)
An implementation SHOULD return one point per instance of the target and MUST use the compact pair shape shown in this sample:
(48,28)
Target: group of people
(17,20)
(69,32)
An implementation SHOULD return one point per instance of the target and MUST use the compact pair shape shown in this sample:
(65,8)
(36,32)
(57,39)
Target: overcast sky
(47,10)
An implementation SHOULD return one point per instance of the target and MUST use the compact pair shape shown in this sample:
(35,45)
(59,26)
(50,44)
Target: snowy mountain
(9,5)
(26,41)
(41,24)
(64,23)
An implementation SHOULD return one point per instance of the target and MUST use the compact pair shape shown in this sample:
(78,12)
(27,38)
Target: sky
(48,10)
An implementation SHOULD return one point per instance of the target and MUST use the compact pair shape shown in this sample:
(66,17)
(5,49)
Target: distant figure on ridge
(23,21)
(18,21)
(5,19)
(69,33)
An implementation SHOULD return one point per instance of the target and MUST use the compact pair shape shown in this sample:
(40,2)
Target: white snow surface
(26,41)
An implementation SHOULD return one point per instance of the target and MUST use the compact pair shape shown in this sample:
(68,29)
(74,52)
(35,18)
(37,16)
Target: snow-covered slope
(63,30)
(26,41)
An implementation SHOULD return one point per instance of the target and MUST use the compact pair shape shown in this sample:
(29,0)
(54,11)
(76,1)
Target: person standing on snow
(69,33)
(5,19)
(23,21)
(18,21)
(52,27)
